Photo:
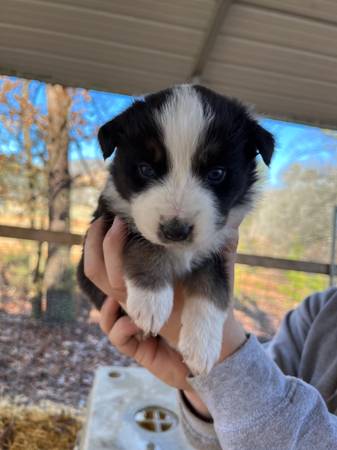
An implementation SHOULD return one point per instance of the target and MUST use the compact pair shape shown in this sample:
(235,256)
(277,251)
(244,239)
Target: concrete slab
(132,410)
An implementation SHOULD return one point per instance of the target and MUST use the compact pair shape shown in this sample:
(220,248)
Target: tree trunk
(26,124)
(58,274)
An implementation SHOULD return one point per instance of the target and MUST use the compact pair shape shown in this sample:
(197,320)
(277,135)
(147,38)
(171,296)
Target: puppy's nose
(175,230)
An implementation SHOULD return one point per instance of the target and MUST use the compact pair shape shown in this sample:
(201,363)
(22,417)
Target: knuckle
(142,358)
(115,337)
(118,333)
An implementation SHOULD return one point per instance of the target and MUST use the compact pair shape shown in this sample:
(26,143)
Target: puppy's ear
(265,143)
(108,136)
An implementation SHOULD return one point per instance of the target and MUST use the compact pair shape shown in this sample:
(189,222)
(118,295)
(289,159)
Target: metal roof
(279,56)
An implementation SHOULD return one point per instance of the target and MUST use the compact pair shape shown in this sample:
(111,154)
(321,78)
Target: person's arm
(255,406)
(198,428)
(286,347)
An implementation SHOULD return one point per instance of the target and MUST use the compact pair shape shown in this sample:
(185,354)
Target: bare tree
(34,175)
(23,176)
(57,276)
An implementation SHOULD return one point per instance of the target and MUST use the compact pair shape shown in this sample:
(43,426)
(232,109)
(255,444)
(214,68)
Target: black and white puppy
(182,173)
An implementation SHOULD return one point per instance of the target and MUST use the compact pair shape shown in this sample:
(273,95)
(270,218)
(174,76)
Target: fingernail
(118,221)
(118,226)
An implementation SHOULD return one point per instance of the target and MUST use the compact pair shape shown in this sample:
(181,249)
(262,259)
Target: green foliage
(294,220)
(300,284)
(280,287)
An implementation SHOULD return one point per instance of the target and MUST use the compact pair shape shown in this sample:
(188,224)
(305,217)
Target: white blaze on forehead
(183,122)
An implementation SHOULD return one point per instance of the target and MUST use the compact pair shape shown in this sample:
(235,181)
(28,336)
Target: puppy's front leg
(204,313)
(149,285)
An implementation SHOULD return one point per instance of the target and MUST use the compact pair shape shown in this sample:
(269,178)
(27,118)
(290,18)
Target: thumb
(113,245)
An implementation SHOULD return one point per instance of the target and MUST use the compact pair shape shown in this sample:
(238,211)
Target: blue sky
(295,143)
(302,144)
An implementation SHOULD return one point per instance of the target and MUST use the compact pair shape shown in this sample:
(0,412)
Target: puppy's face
(185,159)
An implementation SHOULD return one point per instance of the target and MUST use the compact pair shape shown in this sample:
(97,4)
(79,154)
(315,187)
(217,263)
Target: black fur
(232,141)
(92,292)
(209,279)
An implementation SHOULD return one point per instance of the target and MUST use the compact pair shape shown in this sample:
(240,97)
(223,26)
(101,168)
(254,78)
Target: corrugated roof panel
(185,13)
(271,82)
(278,62)
(279,29)
(94,51)
(283,107)
(32,64)
(275,58)
(101,25)
(281,56)
(316,9)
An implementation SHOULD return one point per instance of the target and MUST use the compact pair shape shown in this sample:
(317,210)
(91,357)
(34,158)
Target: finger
(113,245)
(94,267)
(110,312)
(235,217)
(123,336)
(153,353)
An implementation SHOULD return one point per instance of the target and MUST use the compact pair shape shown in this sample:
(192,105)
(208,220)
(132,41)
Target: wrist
(234,337)
(197,406)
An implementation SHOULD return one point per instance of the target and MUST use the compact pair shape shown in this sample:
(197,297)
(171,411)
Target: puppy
(183,171)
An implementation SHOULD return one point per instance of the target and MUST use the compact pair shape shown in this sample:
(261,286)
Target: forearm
(254,405)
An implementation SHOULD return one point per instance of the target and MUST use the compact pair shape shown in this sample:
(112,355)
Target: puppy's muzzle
(175,230)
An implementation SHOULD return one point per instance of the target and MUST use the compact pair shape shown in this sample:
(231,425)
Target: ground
(40,361)
(43,361)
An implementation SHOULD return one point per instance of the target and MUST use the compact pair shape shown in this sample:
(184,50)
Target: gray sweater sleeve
(254,405)
(200,434)
(286,347)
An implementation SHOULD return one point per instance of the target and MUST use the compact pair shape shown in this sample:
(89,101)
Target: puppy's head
(184,160)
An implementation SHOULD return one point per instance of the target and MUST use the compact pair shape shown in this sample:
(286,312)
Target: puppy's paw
(149,309)
(199,356)
(200,339)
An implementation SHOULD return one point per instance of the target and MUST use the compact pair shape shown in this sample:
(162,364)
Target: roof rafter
(215,24)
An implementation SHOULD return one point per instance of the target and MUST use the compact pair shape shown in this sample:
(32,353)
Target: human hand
(103,266)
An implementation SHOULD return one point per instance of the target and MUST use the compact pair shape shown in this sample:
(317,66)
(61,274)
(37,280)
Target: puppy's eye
(216,175)
(146,171)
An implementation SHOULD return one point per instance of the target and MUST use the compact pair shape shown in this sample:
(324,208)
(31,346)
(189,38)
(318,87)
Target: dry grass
(37,428)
